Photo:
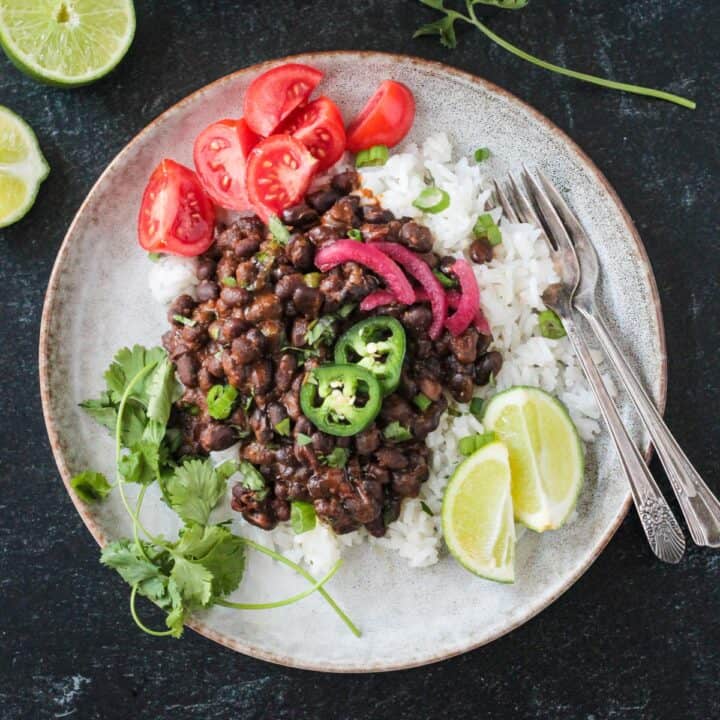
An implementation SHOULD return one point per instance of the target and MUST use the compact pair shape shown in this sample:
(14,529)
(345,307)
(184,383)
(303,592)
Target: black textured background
(633,638)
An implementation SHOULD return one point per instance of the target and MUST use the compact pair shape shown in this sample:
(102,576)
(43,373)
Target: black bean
(287,284)
(265,306)
(322,443)
(276,413)
(183,305)
(323,234)
(232,328)
(461,387)
(417,319)
(346,182)
(464,346)
(489,365)
(217,436)
(300,215)
(446,263)
(307,300)
(261,375)
(285,372)
(416,237)
(376,215)
(368,440)
(205,268)
(300,252)
(234,296)
(207,290)
(391,458)
(481,251)
(322,200)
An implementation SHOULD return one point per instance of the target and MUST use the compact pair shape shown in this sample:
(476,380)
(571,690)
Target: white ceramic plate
(98,300)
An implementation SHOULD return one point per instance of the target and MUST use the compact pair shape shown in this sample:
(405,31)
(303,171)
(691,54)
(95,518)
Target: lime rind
(28,63)
(499,539)
(551,516)
(31,169)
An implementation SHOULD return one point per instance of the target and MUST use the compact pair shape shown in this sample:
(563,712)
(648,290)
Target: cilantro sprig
(207,561)
(445,28)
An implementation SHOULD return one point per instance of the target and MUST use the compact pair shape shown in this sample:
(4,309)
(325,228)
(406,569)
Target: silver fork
(661,528)
(700,507)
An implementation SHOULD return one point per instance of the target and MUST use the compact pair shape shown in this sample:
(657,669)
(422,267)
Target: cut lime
(22,167)
(66,43)
(477,514)
(546,457)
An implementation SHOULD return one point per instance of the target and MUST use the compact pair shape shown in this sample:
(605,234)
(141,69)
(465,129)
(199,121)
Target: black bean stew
(264,316)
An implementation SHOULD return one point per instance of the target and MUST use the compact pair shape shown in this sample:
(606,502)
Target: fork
(699,506)
(664,535)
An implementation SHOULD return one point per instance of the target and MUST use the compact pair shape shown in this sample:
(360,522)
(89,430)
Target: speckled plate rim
(51,301)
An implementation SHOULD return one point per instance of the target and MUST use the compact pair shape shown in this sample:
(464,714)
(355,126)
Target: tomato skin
(385,120)
(176,216)
(278,174)
(273,95)
(319,126)
(220,155)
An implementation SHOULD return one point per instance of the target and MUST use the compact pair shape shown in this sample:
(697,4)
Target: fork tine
(563,209)
(525,209)
(553,222)
(507,208)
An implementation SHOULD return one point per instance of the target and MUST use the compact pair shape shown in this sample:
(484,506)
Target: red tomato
(278,174)
(220,156)
(273,95)
(176,216)
(385,120)
(319,126)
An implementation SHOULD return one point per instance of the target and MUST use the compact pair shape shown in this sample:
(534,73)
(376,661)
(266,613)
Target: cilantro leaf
(335,459)
(176,617)
(219,551)
(251,479)
(128,363)
(196,487)
(90,486)
(444,27)
(140,465)
(102,410)
(193,580)
(321,331)
(127,558)
(162,391)
(397,432)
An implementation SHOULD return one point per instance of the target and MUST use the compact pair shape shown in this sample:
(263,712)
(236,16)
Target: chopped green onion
(337,458)
(229,281)
(445,280)
(476,407)
(220,401)
(397,432)
(302,516)
(313,279)
(432,200)
(426,509)
(470,443)
(214,332)
(550,325)
(262,258)
(184,321)
(346,310)
(485,227)
(251,479)
(355,234)
(372,157)
(422,401)
(278,230)
(154,257)
(283,427)
(302,439)
(481,154)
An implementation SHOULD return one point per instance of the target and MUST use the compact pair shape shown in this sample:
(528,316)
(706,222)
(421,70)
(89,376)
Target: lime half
(70,42)
(477,514)
(22,167)
(546,457)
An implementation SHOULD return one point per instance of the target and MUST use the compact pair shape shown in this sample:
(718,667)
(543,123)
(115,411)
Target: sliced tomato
(273,95)
(319,127)
(176,216)
(385,120)
(278,174)
(220,154)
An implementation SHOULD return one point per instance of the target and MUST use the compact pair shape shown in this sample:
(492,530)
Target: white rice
(511,287)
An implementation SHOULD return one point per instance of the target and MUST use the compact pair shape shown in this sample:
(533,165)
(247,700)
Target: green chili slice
(432,200)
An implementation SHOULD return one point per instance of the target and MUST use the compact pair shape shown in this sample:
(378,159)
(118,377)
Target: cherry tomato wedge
(319,126)
(278,174)
(385,120)
(176,216)
(273,95)
(220,155)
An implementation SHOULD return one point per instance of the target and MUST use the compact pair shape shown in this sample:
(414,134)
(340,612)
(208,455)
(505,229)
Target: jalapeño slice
(377,344)
(340,400)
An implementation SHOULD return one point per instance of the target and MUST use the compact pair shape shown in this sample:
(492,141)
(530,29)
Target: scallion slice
(372,157)
(278,230)
(551,326)
(432,200)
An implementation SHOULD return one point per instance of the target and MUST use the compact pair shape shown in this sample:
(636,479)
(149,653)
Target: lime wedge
(66,43)
(546,457)
(22,167)
(477,514)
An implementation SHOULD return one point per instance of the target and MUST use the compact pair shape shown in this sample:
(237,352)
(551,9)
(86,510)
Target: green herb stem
(309,578)
(139,623)
(594,79)
(287,601)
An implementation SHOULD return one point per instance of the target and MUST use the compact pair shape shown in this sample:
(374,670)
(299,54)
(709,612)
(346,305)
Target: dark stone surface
(633,638)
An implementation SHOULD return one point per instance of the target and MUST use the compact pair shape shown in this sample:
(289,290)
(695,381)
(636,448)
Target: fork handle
(661,528)
(699,505)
